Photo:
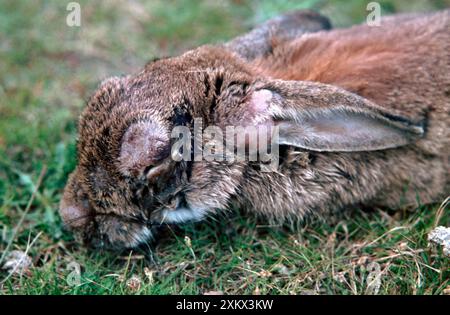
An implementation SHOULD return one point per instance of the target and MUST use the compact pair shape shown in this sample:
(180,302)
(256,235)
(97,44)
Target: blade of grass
(27,209)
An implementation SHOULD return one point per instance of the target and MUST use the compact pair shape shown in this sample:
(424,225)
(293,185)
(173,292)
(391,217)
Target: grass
(49,69)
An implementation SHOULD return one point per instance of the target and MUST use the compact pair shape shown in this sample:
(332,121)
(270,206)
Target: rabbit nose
(74,216)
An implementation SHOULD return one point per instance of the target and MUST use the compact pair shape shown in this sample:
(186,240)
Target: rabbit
(362,119)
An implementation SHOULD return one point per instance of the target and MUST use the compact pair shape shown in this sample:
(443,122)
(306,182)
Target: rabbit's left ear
(321,117)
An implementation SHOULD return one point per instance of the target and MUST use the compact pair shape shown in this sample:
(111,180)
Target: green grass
(48,69)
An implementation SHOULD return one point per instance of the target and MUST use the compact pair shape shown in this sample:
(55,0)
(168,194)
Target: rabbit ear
(322,117)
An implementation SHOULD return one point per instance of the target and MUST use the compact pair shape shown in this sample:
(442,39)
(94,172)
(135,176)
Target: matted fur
(394,77)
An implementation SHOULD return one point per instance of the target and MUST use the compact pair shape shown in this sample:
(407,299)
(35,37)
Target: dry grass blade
(397,228)
(29,245)
(27,209)
(440,211)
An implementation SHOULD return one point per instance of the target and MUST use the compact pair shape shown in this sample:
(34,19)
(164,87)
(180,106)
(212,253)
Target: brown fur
(395,79)
(405,69)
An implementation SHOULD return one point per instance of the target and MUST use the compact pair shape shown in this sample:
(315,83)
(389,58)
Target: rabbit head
(127,179)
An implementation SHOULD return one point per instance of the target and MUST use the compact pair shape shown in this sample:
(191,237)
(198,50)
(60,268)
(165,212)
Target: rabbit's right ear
(321,117)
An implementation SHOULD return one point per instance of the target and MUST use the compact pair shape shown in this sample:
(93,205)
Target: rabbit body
(363,115)
(403,65)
